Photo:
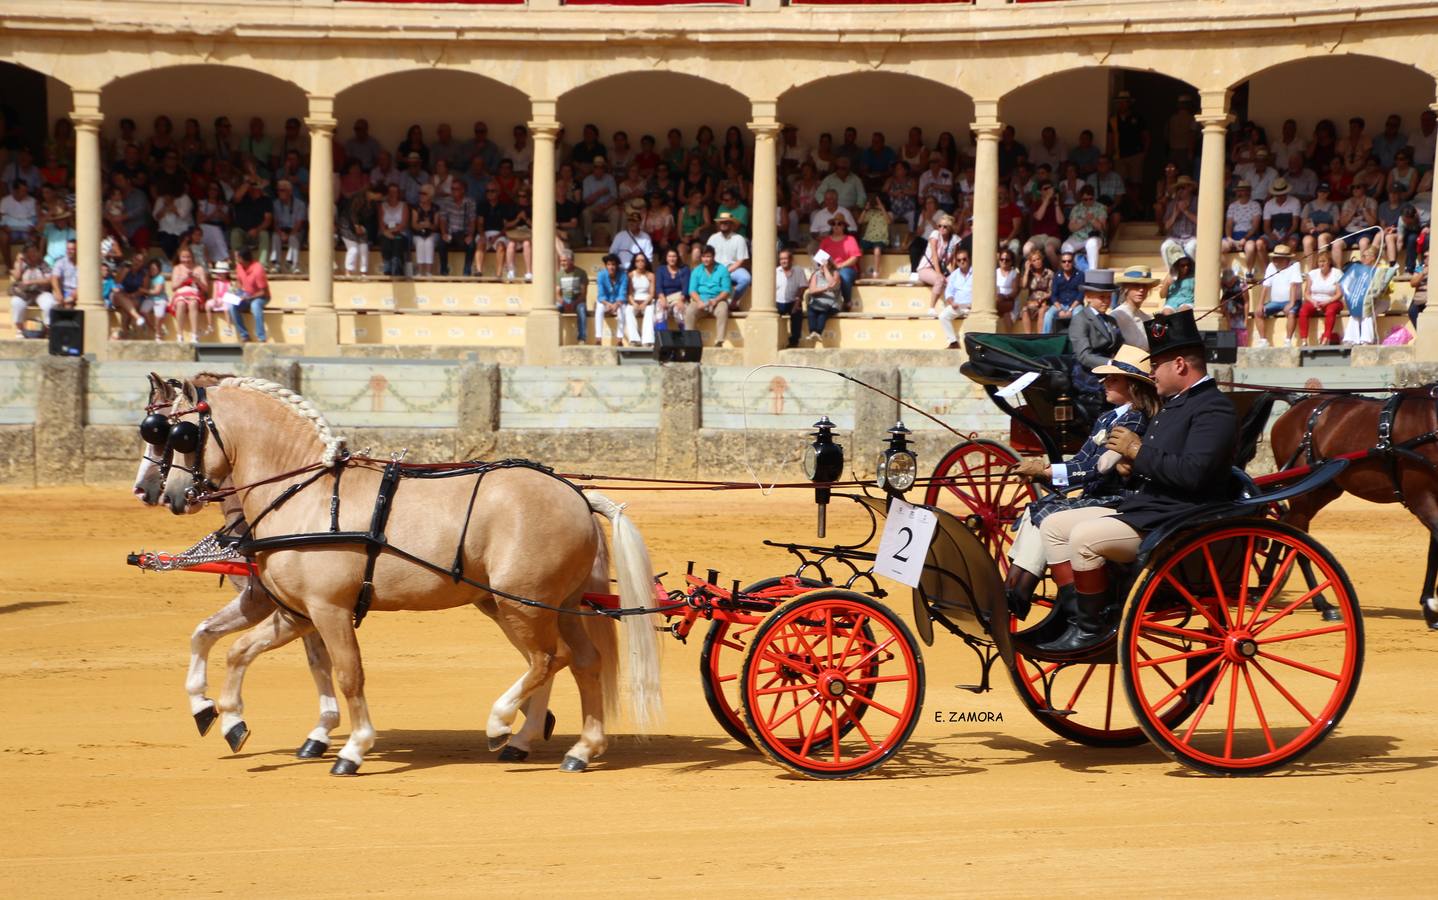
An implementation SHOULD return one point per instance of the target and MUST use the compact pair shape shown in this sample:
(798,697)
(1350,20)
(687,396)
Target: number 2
(908,539)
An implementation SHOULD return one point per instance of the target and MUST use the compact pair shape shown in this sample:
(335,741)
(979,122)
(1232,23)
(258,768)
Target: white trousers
(1091,248)
(291,248)
(356,256)
(46,302)
(1358,330)
(636,333)
(947,314)
(601,327)
(424,249)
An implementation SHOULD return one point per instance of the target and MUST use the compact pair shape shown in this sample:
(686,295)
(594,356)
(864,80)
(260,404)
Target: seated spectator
(1176,289)
(874,224)
(291,219)
(1322,293)
(1320,221)
(1259,175)
(174,217)
(1339,180)
(457,218)
(1422,144)
(488,152)
(154,300)
(447,150)
(1010,150)
(385,173)
(1282,292)
(123,290)
(647,159)
(914,153)
(1372,177)
(31,283)
(65,277)
(571,291)
(671,285)
(847,186)
(639,312)
(709,294)
(1288,144)
(1419,301)
(933,266)
(259,147)
(1355,149)
(253,217)
(819,227)
(901,193)
(413,177)
(353,181)
(1109,189)
(1011,223)
(1036,283)
(611,296)
(1363,303)
(695,226)
(519,229)
(659,223)
(490,215)
(568,210)
(189,288)
(1404,178)
(632,240)
(1049,151)
(600,218)
(1163,194)
(1067,296)
(1282,217)
(1085,155)
(392,218)
(664,184)
(1406,237)
(19,220)
(790,285)
(844,252)
(732,252)
(1356,224)
(675,157)
(957,296)
(632,185)
(1388,142)
(823,295)
(590,151)
(1046,225)
(1070,186)
(1088,222)
(357,226)
(696,179)
(424,231)
(1180,220)
(1243,226)
(850,147)
(1006,290)
(55,172)
(292,169)
(1302,182)
(731,202)
(876,162)
(938,182)
(250,290)
(621,152)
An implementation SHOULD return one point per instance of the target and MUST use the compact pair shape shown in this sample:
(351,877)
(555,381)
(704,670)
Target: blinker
(155,429)
(184,437)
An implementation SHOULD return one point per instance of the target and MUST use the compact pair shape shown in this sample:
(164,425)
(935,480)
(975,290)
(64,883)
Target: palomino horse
(1401,465)
(511,531)
(249,607)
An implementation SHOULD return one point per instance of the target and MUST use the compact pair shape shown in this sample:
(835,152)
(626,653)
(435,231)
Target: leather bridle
(170,434)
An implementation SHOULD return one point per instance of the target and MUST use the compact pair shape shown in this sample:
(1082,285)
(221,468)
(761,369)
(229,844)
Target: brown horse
(512,531)
(1404,470)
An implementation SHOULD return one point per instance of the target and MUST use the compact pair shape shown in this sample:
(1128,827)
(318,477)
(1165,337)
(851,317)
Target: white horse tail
(603,631)
(636,589)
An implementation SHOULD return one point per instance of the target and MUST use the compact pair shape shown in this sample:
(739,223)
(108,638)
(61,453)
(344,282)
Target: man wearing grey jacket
(1094,335)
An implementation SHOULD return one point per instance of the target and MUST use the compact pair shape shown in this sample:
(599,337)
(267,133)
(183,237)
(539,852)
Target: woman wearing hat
(1128,386)
(1134,283)
(1176,289)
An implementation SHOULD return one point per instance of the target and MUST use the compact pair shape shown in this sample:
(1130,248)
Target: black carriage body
(996,360)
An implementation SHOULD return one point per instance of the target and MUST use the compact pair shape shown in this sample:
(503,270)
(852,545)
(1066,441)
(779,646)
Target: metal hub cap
(833,686)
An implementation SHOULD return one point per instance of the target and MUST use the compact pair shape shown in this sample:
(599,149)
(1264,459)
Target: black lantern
(897,466)
(823,464)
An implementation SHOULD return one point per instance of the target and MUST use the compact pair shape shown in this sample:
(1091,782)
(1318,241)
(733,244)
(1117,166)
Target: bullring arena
(1241,698)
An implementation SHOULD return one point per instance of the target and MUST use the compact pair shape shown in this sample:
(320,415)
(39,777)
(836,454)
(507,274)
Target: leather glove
(1032,467)
(1124,442)
(1124,468)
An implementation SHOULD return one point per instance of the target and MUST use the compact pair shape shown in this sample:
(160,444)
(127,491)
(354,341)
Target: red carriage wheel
(723,655)
(974,483)
(1204,620)
(832,684)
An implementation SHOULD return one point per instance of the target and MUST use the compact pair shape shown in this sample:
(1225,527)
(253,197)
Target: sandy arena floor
(106,789)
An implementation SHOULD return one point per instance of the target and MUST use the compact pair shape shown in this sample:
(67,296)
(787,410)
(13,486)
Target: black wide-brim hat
(1172,332)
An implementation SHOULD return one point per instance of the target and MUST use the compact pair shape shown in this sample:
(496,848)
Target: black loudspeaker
(678,346)
(1221,346)
(67,332)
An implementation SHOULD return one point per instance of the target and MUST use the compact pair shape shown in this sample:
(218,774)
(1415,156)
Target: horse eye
(185,437)
(154,429)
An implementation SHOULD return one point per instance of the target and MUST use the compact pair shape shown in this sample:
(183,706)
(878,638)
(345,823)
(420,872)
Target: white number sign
(905,543)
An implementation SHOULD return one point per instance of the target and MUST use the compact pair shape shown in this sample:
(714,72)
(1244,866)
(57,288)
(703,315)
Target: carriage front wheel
(974,483)
(832,684)
(1219,617)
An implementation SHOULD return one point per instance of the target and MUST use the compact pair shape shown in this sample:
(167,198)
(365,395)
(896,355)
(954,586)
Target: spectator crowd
(196,222)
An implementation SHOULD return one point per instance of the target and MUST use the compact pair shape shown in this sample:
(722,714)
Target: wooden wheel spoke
(1232,711)
(1160,672)
(880,679)
(871,654)
(783,689)
(1192,601)
(870,702)
(1083,683)
(1279,577)
(1188,633)
(1217,585)
(1302,666)
(1248,563)
(1312,632)
(1288,610)
(1192,679)
(1284,691)
(813,729)
(1204,705)
(1258,710)
(859,726)
(1190,654)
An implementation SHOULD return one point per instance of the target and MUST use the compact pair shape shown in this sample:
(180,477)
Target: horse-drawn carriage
(1215,656)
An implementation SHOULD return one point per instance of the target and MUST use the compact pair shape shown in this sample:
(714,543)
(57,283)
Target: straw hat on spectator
(413,157)
(1278,188)
(221,267)
(634,215)
(1136,275)
(1283,251)
(726,217)
(1184,181)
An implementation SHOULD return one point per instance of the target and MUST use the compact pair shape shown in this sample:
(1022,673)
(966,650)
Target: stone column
(321,321)
(88,200)
(1214,120)
(542,327)
(983,316)
(761,330)
(1425,347)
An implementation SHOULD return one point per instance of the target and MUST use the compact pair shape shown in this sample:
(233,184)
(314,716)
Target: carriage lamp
(823,464)
(1063,416)
(897,466)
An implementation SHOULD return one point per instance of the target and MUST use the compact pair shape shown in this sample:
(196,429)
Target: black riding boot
(1019,590)
(1088,626)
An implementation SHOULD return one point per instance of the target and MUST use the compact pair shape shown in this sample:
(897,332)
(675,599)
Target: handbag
(522,233)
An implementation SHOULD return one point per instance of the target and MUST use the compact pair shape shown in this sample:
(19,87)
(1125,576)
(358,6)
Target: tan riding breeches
(1027,551)
(1088,536)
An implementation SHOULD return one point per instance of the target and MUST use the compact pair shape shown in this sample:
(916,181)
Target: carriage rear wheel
(1205,620)
(723,655)
(832,683)
(974,483)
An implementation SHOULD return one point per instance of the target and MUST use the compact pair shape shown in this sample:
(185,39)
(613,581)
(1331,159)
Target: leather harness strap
(388,485)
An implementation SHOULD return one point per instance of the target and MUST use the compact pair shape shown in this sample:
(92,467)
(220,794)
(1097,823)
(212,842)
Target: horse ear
(188,390)
(159,390)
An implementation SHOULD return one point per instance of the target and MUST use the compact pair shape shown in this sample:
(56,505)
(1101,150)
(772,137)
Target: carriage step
(1059,713)
(973,688)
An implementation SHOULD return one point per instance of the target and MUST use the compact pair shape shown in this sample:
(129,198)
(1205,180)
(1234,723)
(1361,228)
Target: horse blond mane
(297,404)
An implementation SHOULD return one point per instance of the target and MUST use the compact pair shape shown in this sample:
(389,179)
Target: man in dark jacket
(1094,335)
(1179,464)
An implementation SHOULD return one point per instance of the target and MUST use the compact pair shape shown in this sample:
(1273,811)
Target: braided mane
(297,404)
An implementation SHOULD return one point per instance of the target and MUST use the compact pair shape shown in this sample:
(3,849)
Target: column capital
(987,131)
(1217,121)
(765,130)
(86,115)
(548,131)
(87,121)
(321,124)
(1214,102)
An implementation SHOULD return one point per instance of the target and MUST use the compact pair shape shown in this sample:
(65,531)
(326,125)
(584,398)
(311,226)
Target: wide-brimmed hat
(729,217)
(1130,361)
(1136,275)
(1278,188)
(414,157)
(1173,252)
(1184,181)
(1175,331)
(1282,250)
(220,267)
(1098,281)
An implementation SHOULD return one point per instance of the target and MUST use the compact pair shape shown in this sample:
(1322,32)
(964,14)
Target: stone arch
(630,101)
(393,101)
(31,101)
(878,100)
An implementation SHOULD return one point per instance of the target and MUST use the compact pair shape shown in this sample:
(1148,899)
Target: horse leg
(318,658)
(543,664)
(586,664)
(278,630)
(518,746)
(1428,601)
(334,626)
(244,611)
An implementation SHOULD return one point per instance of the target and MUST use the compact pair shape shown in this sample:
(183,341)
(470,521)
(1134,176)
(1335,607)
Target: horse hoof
(205,719)
(344,767)
(549,721)
(236,736)
(573,764)
(495,742)
(513,754)
(311,749)
(1332,615)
